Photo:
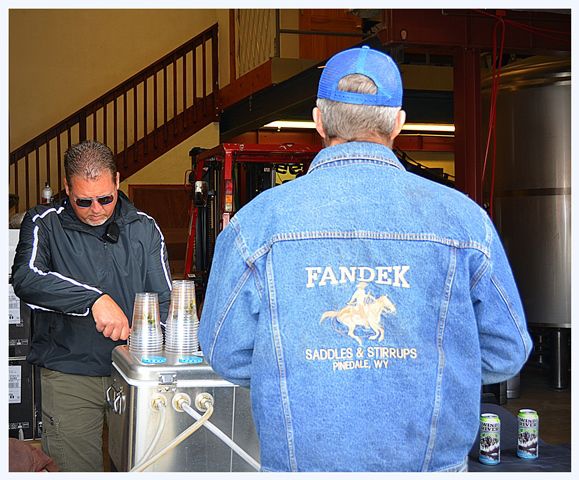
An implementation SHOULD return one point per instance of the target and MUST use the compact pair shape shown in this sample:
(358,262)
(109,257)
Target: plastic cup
(146,335)
(182,323)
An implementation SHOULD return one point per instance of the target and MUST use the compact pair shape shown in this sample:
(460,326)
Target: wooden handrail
(126,117)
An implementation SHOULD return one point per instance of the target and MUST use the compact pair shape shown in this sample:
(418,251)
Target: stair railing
(140,119)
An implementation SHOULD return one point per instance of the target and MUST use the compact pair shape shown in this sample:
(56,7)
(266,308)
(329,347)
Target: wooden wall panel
(303,137)
(320,47)
(169,206)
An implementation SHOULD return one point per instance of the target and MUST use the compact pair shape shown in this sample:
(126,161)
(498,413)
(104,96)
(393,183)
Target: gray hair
(350,121)
(89,159)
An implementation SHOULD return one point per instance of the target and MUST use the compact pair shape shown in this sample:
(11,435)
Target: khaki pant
(73,411)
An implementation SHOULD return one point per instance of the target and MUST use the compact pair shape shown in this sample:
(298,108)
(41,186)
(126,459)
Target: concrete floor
(552,405)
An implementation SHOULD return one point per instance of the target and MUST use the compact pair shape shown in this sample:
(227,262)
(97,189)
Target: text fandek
(393,275)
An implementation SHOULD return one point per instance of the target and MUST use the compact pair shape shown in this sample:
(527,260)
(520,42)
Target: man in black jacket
(78,264)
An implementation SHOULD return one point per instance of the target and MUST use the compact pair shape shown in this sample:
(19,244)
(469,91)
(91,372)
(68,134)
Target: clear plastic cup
(146,335)
(182,322)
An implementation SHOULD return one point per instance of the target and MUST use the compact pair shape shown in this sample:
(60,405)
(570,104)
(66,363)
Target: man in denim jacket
(363,305)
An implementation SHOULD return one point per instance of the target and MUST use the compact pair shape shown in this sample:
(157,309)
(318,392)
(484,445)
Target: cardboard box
(20,399)
(19,325)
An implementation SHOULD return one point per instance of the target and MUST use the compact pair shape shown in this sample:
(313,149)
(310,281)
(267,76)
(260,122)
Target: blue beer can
(528,435)
(490,439)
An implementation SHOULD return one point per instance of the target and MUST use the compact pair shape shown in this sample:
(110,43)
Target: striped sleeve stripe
(163,263)
(50,210)
(36,307)
(35,251)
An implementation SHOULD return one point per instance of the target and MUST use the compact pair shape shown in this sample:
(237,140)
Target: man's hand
(110,319)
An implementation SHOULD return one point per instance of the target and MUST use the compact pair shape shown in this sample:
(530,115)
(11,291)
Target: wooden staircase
(140,119)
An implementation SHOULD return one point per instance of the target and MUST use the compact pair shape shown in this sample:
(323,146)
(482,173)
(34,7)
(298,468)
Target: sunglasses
(87,202)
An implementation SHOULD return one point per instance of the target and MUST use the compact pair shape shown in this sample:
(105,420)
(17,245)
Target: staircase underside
(167,136)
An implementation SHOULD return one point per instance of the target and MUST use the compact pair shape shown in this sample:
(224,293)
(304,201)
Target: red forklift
(225,178)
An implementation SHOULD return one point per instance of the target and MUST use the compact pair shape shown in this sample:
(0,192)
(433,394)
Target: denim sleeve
(504,340)
(230,310)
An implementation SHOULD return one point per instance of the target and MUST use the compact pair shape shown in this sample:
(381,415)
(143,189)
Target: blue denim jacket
(364,306)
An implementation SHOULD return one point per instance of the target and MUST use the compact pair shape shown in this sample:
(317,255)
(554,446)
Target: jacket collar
(355,152)
(125,212)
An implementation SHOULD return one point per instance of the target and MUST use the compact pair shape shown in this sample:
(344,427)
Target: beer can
(490,439)
(528,435)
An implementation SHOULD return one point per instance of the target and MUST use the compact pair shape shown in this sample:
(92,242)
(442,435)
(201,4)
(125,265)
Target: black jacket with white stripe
(62,266)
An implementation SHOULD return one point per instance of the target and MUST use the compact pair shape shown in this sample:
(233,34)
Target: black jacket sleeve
(34,281)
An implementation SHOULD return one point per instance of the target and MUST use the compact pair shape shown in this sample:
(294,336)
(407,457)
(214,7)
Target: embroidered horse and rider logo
(363,314)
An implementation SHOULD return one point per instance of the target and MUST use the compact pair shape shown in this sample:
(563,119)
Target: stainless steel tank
(532,203)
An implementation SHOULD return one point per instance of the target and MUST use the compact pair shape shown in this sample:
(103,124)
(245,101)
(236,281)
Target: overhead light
(429,127)
(408,127)
(290,124)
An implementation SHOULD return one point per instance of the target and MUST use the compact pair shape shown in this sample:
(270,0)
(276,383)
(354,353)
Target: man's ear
(317,116)
(66,189)
(400,121)
(117,182)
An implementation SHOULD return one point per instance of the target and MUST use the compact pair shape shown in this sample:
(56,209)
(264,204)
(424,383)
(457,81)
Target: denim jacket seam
(260,252)
(441,360)
(284,393)
(240,244)
(346,161)
(241,282)
(363,151)
(485,264)
(514,317)
(313,235)
(488,228)
(243,251)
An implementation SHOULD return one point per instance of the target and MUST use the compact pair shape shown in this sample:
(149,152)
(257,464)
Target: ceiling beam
(526,32)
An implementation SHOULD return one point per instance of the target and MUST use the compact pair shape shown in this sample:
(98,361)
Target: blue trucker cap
(376,65)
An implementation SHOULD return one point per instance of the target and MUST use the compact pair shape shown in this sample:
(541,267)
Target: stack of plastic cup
(182,323)
(146,336)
